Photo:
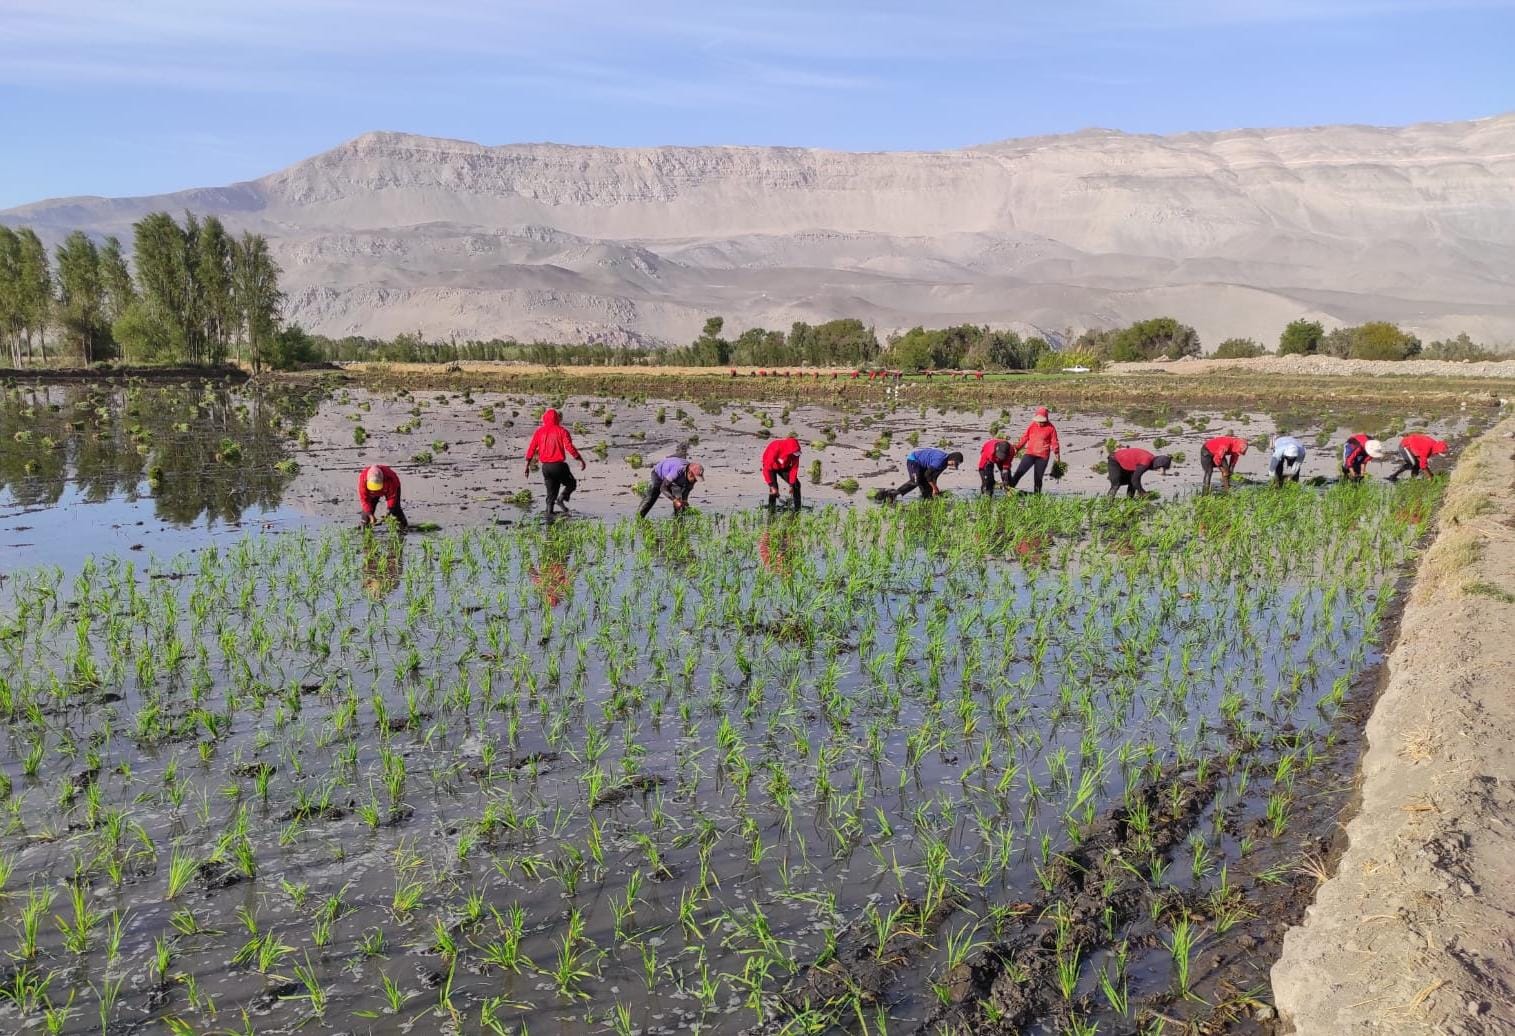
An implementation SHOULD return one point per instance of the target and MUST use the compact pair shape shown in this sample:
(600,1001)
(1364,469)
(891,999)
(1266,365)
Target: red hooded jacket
(1423,447)
(1222,445)
(1132,457)
(1039,440)
(1356,446)
(986,455)
(782,457)
(550,443)
(368,499)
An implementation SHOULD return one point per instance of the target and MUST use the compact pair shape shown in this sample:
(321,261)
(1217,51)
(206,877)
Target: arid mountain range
(1236,233)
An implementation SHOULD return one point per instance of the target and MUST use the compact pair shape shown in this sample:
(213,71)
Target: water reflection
(551,573)
(383,563)
(208,450)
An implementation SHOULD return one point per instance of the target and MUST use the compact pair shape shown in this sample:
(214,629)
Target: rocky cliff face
(1236,233)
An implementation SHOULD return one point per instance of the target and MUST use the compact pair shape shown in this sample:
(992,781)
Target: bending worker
(1128,464)
(1356,452)
(925,465)
(781,459)
(552,444)
(996,454)
(1038,445)
(673,477)
(380,481)
(1415,453)
(1288,459)
(1221,452)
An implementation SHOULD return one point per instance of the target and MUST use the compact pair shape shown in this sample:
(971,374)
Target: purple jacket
(670,468)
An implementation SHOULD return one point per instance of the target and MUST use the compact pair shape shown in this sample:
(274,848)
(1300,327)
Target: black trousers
(677,489)
(1408,462)
(920,478)
(1356,469)
(986,478)
(1132,480)
(560,483)
(1036,465)
(773,492)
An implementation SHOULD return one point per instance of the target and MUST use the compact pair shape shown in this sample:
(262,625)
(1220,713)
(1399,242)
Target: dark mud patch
(533,759)
(1092,893)
(413,721)
(640,784)
(862,968)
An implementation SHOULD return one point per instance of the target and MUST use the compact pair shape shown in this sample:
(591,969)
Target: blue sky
(120,97)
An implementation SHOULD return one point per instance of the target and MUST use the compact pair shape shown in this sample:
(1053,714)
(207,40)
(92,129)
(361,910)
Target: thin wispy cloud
(235,46)
(290,77)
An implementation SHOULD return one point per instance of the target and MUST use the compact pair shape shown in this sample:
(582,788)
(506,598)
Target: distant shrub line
(849,343)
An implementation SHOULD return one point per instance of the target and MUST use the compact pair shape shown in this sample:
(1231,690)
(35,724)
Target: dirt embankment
(1329,366)
(1416,931)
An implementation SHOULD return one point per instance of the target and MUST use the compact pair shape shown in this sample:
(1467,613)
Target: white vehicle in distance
(1075,370)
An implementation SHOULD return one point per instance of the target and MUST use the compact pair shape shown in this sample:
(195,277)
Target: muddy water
(105,469)
(97,469)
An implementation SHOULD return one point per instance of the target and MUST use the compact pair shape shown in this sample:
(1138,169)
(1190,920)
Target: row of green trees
(835,343)
(850,343)
(413,347)
(1166,338)
(196,295)
(1375,340)
(964,346)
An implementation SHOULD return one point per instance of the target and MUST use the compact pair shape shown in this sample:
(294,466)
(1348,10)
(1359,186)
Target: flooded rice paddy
(966,766)
(161,468)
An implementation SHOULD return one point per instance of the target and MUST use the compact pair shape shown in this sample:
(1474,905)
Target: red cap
(1041,411)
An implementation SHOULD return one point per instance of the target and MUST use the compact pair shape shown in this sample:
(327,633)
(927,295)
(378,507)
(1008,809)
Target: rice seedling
(1180,942)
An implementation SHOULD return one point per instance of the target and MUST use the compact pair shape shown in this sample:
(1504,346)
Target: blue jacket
(929,457)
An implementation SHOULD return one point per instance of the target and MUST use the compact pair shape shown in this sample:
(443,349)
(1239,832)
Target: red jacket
(367,498)
(550,443)
(1132,457)
(1423,447)
(1223,445)
(1039,440)
(986,455)
(1356,446)
(782,457)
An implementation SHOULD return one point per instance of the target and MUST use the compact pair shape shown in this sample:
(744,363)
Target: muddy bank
(1416,931)
(1329,366)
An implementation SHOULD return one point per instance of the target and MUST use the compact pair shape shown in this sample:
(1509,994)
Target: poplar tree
(35,290)
(10,294)
(213,278)
(81,297)
(115,280)
(165,279)
(258,300)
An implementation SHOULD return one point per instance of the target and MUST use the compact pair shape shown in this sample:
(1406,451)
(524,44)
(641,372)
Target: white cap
(1374,448)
